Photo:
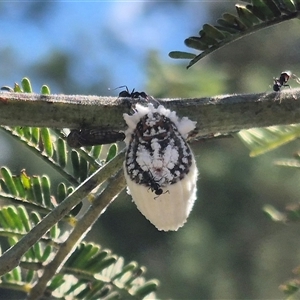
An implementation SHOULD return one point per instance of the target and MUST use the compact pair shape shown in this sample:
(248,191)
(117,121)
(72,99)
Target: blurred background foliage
(228,248)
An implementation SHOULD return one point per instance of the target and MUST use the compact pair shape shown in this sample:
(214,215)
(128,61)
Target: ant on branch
(154,185)
(283,79)
(132,94)
(137,95)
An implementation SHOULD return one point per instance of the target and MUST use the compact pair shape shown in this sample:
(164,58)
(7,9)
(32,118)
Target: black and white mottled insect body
(157,146)
(158,158)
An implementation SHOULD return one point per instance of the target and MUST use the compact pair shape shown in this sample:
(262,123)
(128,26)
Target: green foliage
(87,273)
(251,17)
(33,192)
(290,214)
(51,146)
(291,287)
(261,140)
(90,271)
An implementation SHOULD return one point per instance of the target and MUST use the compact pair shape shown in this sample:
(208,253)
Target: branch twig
(219,114)
(11,258)
(115,186)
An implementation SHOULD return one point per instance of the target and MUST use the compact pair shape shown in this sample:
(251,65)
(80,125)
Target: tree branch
(11,258)
(219,114)
(100,203)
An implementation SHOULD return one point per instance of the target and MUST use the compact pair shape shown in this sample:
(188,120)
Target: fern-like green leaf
(15,222)
(287,162)
(291,287)
(96,151)
(181,55)
(26,85)
(112,152)
(89,273)
(8,181)
(34,192)
(251,17)
(106,272)
(45,90)
(17,88)
(261,140)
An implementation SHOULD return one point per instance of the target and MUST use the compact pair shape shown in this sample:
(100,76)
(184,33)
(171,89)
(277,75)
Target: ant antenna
(167,191)
(121,86)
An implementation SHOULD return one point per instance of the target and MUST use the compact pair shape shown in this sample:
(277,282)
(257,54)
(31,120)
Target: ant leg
(152,100)
(167,191)
(296,78)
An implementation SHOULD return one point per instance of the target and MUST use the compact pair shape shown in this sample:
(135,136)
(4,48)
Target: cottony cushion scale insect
(159,167)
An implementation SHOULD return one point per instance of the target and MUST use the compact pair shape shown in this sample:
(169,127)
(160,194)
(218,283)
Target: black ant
(133,94)
(283,79)
(154,185)
(137,95)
